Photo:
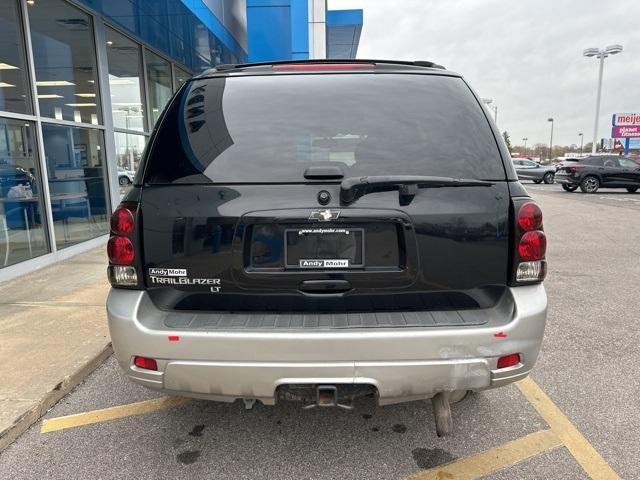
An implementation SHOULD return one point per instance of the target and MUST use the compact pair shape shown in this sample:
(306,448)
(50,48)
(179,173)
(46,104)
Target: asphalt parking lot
(577,417)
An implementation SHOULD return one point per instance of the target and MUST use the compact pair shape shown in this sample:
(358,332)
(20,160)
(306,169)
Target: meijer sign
(625,119)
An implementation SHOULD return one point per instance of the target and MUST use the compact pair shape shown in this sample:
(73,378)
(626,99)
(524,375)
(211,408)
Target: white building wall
(317,29)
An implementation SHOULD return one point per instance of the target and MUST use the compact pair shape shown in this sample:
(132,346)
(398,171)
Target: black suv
(596,171)
(323,229)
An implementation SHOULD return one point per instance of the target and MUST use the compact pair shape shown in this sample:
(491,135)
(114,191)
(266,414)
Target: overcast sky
(526,55)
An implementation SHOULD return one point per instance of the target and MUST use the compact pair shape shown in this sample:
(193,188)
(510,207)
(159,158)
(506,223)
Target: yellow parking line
(112,413)
(495,459)
(584,453)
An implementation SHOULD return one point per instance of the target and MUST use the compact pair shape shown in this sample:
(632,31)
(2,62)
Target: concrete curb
(31,416)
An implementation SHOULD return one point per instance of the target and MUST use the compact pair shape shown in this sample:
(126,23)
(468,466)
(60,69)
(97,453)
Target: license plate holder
(329,248)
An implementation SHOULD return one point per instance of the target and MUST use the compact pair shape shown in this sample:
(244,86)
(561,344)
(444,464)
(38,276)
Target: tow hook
(327,396)
(442,413)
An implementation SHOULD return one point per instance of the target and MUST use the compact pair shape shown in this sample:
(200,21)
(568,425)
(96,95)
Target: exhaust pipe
(442,414)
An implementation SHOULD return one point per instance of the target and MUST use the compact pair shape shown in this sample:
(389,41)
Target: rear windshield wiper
(354,187)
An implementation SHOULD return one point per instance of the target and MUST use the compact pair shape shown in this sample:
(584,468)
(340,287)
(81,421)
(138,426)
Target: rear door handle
(324,286)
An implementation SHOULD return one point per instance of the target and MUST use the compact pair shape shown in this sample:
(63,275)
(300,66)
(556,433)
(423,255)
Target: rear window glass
(263,129)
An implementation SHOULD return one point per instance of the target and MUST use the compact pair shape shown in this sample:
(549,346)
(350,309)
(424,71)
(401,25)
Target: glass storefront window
(14,93)
(76,168)
(159,84)
(129,149)
(125,81)
(181,76)
(65,62)
(22,219)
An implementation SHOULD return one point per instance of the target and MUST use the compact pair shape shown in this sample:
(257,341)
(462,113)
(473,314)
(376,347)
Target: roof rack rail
(425,63)
(232,66)
(226,66)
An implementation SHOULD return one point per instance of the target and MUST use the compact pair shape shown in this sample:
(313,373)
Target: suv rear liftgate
(279,239)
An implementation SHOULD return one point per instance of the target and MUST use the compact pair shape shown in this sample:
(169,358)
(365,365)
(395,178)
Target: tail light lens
(529,216)
(532,246)
(145,363)
(122,222)
(509,360)
(529,261)
(121,248)
(321,67)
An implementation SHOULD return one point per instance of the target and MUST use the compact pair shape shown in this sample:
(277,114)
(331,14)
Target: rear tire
(569,188)
(549,177)
(590,184)
(632,189)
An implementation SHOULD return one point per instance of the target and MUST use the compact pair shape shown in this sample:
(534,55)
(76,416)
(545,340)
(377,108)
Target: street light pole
(551,139)
(601,55)
(525,144)
(595,126)
(581,141)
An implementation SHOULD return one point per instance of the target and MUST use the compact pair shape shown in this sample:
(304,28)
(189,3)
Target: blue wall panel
(277,30)
(269,29)
(185,30)
(299,29)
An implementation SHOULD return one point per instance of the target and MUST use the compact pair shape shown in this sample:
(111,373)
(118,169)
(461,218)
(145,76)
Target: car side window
(595,161)
(517,163)
(611,162)
(626,163)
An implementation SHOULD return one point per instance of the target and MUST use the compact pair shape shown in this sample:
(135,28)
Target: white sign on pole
(625,119)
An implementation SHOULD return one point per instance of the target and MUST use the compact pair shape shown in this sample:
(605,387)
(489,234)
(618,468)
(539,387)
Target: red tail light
(509,360)
(122,222)
(530,243)
(529,216)
(318,67)
(121,248)
(146,363)
(574,169)
(532,246)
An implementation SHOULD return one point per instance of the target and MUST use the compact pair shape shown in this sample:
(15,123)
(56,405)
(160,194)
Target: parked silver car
(530,170)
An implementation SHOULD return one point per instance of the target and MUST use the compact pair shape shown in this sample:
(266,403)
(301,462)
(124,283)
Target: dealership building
(83,82)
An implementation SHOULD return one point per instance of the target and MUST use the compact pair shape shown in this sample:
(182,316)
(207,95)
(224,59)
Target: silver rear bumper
(406,363)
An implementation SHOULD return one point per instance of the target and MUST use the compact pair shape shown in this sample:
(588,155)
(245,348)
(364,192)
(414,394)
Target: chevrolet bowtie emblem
(324,215)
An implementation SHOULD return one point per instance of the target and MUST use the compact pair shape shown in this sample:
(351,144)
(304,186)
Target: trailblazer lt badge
(179,276)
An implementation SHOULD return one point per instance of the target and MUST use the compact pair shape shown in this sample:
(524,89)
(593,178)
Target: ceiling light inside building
(86,95)
(6,66)
(6,85)
(80,104)
(54,83)
(49,95)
